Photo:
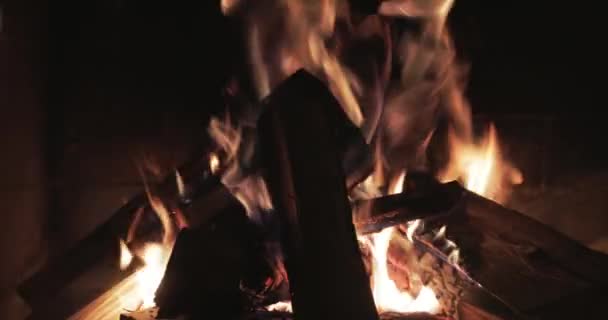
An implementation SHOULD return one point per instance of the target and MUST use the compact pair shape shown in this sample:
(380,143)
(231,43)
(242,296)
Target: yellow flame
(387,296)
(179,181)
(214,162)
(155,257)
(281,306)
(481,167)
(126,257)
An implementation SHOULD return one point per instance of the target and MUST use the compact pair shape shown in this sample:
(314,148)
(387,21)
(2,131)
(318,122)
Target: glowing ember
(386,294)
(214,163)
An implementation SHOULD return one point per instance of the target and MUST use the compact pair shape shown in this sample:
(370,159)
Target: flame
(281,306)
(214,163)
(481,167)
(149,277)
(126,257)
(250,189)
(179,181)
(287,35)
(387,296)
(155,255)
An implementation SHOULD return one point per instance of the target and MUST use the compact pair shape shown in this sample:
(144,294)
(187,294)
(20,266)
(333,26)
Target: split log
(436,201)
(299,133)
(520,260)
(90,268)
(209,264)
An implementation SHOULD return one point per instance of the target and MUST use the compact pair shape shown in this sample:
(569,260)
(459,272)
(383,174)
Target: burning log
(91,267)
(523,262)
(299,131)
(438,200)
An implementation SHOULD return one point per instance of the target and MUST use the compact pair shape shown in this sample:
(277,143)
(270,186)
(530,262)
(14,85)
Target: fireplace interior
(289,160)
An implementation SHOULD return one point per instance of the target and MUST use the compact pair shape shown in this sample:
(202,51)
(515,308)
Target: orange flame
(481,167)
(155,256)
(300,42)
(126,257)
(387,296)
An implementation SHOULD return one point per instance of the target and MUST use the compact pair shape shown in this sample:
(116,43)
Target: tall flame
(295,35)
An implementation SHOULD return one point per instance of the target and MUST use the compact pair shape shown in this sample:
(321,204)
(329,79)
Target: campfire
(348,184)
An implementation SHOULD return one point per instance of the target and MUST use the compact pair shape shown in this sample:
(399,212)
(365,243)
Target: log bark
(299,134)
(434,202)
(72,280)
(209,264)
(520,260)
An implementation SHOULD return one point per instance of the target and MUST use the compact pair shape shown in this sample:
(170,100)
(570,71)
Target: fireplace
(340,168)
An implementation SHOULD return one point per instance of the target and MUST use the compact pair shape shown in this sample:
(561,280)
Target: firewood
(208,266)
(299,133)
(376,214)
(520,260)
(93,262)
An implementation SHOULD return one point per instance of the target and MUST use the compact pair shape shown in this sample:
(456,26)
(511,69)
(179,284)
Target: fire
(214,163)
(481,166)
(281,306)
(155,257)
(387,296)
(300,42)
(126,257)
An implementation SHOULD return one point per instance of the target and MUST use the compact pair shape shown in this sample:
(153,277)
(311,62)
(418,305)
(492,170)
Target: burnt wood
(299,134)
(521,261)
(90,268)
(436,201)
(208,265)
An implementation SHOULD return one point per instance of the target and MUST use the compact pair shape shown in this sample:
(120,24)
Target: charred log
(299,132)
(208,265)
(77,277)
(520,260)
(434,202)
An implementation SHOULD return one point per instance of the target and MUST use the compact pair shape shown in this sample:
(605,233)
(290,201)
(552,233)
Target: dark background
(89,87)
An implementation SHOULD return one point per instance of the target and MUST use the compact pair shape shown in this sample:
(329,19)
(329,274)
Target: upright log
(299,132)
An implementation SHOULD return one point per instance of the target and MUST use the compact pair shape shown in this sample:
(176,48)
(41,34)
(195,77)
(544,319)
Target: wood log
(90,268)
(299,133)
(520,260)
(437,200)
(208,266)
